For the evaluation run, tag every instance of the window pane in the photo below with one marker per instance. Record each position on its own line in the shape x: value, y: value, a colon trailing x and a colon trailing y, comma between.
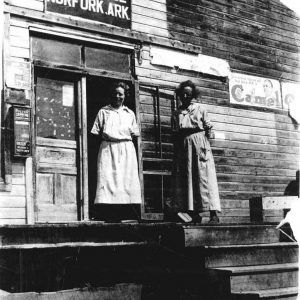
x: 55, y: 109
x: 56, y: 51
x: 107, y: 59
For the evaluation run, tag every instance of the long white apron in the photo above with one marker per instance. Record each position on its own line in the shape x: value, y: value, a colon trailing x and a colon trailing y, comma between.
x: 117, y: 175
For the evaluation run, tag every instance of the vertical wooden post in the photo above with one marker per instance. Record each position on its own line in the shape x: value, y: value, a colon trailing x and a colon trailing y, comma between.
x: 29, y: 191
x: 5, y: 172
x: 1, y: 74
x: 84, y: 154
x: 139, y: 144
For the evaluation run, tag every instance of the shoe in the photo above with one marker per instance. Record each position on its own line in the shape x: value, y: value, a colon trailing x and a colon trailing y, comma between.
x: 184, y: 217
x: 214, y: 220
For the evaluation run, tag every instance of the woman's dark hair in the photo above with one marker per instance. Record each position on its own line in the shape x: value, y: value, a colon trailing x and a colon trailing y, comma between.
x: 184, y: 84
x: 122, y: 85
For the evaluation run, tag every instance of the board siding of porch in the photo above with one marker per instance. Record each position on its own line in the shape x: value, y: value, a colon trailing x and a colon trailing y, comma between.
x: 13, y: 202
x: 13, y: 199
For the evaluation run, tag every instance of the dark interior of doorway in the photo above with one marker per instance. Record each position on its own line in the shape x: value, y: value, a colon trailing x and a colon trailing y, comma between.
x: 98, y: 95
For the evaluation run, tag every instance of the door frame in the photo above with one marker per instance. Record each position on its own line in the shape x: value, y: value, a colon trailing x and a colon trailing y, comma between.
x: 135, y: 84
x: 82, y: 73
x: 81, y: 78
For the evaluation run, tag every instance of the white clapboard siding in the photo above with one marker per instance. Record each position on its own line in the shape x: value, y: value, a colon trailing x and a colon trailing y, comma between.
x: 19, y: 52
x: 19, y: 39
x: 150, y: 17
x: 11, y: 201
x: 17, y: 190
x: 149, y: 11
x: 30, y: 4
x: 146, y: 4
x: 18, y: 22
x: 12, y: 221
x: 12, y: 213
x: 18, y: 179
x: 18, y: 168
x: 19, y: 42
x: 19, y: 31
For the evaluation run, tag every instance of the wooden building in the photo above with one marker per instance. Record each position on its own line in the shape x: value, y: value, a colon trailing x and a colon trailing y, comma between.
x: 69, y: 50
x: 59, y: 58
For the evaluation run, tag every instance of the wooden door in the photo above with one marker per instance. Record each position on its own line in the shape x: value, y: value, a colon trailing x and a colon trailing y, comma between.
x: 56, y: 151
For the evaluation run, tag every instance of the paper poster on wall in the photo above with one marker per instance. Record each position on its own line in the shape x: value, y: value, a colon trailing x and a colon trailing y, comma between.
x: 67, y: 95
x: 185, y: 61
x: 18, y: 75
x: 255, y: 91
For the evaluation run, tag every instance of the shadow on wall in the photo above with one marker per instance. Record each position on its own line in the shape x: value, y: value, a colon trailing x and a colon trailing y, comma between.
x: 293, y: 187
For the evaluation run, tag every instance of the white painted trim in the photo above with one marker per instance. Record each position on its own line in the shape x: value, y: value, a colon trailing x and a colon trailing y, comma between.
x: 1, y: 44
x: 29, y: 191
x: 79, y: 36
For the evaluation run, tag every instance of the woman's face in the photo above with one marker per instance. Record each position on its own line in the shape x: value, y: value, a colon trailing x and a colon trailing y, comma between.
x: 118, y: 97
x: 187, y: 95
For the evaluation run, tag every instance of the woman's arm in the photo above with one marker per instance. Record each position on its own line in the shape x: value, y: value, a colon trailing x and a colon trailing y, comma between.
x: 207, y: 125
x: 134, y: 130
x: 98, y: 124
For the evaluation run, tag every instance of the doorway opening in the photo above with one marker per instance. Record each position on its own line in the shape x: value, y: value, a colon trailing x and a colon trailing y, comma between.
x: 99, y: 90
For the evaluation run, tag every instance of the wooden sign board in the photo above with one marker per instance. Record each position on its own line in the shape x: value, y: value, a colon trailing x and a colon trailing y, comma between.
x: 255, y: 91
x: 19, y: 97
x: 22, y: 132
x: 113, y: 12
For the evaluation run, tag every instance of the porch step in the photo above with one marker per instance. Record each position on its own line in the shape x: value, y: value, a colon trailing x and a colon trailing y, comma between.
x: 70, y: 234
x: 72, y: 245
x: 263, y: 277
x: 290, y: 293
x: 249, y: 255
x: 197, y: 236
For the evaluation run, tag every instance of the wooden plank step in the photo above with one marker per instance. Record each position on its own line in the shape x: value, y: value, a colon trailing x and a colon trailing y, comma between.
x: 88, y: 232
x: 280, y: 293
x: 198, y: 236
x: 241, y: 270
x: 263, y: 277
x: 72, y: 245
x: 255, y: 254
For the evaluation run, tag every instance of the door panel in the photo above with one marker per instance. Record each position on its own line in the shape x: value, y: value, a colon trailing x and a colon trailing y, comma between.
x: 45, y: 188
x: 56, y: 150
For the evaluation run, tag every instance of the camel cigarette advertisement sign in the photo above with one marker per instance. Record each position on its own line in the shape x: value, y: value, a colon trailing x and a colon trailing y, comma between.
x: 114, y: 12
x: 255, y: 91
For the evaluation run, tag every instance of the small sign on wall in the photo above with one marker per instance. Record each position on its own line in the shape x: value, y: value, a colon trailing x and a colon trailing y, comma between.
x: 22, y: 132
x: 114, y: 12
x: 255, y: 91
x: 18, y: 75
